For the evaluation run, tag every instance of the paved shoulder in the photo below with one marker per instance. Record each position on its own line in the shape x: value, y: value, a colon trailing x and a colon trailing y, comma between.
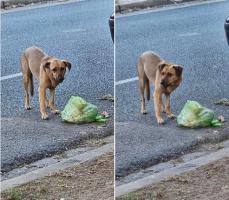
x: 24, y: 141
x: 141, y: 145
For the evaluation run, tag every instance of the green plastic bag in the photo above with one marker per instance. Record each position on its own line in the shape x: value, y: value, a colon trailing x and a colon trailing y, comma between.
x: 194, y: 115
x: 78, y: 111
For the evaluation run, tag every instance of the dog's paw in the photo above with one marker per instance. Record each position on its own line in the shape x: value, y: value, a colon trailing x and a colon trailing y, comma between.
x: 143, y: 112
x: 44, y: 116
x: 28, y: 107
x: 160, y: 121
x: 55, y: 112
x: 171, y: 116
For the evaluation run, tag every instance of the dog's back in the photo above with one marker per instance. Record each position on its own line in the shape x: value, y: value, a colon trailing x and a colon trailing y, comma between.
x: 30, y: 66
x: 147, y: 67
x: 149, y: 63
x: 34, y: 56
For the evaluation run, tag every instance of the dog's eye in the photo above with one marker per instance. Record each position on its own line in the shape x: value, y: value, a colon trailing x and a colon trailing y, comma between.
x: 62, y: 68
x: 54, y: 70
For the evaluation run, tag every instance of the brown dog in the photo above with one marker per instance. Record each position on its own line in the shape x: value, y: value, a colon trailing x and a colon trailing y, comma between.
x: 165, y: 76
x: 49, y: 71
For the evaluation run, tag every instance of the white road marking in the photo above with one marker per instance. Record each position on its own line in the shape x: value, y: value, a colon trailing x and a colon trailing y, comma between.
x: 116, y: 83
x: 189, y: 34
x: 126, y: 81
x: 75, y: 30
x: 10, y: 76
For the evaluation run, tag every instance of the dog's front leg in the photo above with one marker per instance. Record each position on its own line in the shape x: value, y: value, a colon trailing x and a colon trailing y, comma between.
x: 157, y: 106
x: 52, y: 102
x: 42, y: 100
x: 167, y: 106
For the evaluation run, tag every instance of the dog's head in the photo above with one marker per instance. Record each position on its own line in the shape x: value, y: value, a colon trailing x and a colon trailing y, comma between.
x: 170, y: 75
x: 56, y: 69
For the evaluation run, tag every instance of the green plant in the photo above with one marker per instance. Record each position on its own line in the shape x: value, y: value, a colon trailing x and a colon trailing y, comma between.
x: 14, y: 195
x: 131, y: 196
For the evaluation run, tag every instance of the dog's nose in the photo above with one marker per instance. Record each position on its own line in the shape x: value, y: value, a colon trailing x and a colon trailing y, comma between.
x: 61, y: 79
x: 164, y: 84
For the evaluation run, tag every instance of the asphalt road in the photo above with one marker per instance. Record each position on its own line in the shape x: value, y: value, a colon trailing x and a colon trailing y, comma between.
x: 77, y: 32
x: 192, y: 36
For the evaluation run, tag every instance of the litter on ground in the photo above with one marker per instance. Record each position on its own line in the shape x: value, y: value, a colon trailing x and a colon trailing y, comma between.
x: 78, y: 111
x: 194, y: 115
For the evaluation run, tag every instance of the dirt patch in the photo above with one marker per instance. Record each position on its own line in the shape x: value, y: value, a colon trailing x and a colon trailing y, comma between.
x: 208, y: 182
x: 91, y: 180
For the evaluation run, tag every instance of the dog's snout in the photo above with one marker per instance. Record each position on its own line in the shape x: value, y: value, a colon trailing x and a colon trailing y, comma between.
x: 164, y: 83
x: 60, y: 79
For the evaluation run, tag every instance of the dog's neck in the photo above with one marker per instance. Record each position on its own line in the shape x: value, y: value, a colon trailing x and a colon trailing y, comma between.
x: 53, y: 82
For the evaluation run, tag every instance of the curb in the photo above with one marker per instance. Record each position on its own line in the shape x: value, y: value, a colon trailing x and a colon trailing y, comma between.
x: 71, y: 162
x: 120, y: 8
x: 185, y: 167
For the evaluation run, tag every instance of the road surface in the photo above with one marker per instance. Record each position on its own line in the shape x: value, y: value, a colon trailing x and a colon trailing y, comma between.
x: 192, y: 36
x: 77, y: 32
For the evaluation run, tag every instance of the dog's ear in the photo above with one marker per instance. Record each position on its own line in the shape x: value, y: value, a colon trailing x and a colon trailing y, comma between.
x: 46, y: 65
x: 67, y: 64
x: 161, y: 66
x: 178, y: 70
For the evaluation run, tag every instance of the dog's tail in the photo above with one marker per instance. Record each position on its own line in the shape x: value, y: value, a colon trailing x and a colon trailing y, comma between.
x: 25, y: 69
x: 147, y: 88
x: 31, y: 86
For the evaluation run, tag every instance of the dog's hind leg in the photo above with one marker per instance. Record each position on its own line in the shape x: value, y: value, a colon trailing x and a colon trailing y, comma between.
x: 142, y: 85
x: 142, y: 89
x: 26, y: 86
x: 27, y: 81
x: 46, y: 102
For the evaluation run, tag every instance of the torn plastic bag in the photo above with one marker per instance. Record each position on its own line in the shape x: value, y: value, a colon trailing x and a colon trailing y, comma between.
x: 194, y: 115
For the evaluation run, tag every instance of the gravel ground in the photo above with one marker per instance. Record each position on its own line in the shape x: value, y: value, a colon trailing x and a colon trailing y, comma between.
x: 91, y: 180
x: 208, y: 182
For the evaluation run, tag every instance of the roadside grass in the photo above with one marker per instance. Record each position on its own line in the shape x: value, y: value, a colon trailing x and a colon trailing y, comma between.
x: 130, y: 196
x: 94, y: 178
x: 17, y: 193
x: 14, y: 194
x: 213, y: 179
